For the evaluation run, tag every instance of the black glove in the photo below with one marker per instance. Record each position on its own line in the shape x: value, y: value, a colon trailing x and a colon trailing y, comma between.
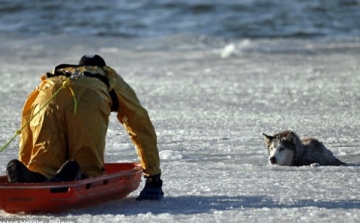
x: 152, y: 189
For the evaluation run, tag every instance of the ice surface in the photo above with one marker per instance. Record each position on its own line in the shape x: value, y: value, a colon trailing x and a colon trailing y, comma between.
x: 209, y: 113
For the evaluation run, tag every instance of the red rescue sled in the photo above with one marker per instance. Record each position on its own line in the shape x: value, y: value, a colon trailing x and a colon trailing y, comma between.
x: 119, y: 181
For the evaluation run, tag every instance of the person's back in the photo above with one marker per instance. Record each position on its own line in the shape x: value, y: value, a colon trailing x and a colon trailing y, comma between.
x: 72, y: 125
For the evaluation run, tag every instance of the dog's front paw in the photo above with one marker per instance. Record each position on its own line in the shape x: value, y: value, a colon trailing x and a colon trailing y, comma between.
x: 314, y: 165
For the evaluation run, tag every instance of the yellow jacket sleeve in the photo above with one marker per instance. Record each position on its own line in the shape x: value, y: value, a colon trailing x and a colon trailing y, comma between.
x: 136, y: 121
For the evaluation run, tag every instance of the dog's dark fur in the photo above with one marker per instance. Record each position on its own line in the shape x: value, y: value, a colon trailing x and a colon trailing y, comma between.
x: 287, y: 149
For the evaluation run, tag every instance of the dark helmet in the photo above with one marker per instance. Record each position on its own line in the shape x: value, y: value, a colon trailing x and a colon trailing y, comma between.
x: 92, y: 60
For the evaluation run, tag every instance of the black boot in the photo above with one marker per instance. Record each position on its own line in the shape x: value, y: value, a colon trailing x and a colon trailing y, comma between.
x: 69, y: 171
x: 17, y: 172
x: 152, y: 189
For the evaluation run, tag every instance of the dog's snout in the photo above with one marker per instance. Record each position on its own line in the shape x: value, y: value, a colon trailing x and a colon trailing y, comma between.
x: 272, y: 159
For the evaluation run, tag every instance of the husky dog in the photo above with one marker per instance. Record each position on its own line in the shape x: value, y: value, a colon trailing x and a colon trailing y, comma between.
x: 287, y: 149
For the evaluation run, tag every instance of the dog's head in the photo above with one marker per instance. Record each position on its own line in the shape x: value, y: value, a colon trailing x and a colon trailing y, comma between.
x: 281, y: 148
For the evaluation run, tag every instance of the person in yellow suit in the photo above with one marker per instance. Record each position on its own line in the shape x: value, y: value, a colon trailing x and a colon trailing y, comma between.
x: 64, y: 139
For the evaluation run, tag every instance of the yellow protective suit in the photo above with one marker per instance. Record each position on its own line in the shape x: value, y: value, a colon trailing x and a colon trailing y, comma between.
x: 74, y: 123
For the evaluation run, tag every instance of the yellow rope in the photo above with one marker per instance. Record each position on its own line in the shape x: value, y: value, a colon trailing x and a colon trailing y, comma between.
x: 18, y: 132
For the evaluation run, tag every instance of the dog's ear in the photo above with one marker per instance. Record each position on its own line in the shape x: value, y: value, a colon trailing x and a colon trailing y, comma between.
x: 292, y: 137
x: 268, y: 139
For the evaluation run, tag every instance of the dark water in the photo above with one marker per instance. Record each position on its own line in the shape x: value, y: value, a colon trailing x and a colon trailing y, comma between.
x: 154, y: 18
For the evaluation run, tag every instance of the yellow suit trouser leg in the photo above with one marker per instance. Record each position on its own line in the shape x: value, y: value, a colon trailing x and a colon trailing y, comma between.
x: 59, y: 133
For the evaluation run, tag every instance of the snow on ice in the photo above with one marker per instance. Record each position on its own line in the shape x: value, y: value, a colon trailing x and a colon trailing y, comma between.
x: 209, y: 112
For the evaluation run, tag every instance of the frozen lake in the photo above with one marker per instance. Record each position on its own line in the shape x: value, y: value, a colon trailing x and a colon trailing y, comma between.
x: 210, y: 107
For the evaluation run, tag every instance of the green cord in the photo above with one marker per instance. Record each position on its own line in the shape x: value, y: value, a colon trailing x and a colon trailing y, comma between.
x: 75, y: 101
x: 18, y: 132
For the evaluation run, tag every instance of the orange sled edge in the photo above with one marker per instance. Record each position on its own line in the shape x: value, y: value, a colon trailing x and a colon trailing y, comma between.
x: 119, y: 181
